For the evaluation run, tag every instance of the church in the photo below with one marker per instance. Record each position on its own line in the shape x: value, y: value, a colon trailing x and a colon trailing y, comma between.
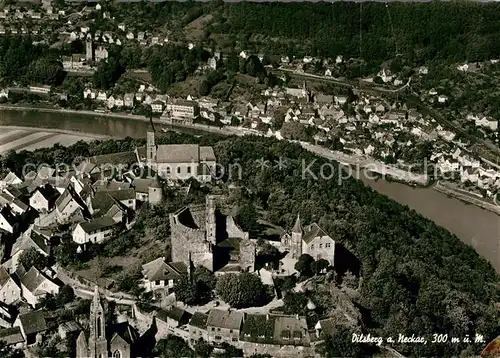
x: 177, y: 161
x: 311, y: 240
x: 102, y: 341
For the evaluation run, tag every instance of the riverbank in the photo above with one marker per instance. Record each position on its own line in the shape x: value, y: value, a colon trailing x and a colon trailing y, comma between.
x: 467, y: 197
x: 159, y: 121
x: 357, y: 163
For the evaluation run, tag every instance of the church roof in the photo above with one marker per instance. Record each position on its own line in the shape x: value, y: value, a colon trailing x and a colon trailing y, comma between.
x: 124, y: 331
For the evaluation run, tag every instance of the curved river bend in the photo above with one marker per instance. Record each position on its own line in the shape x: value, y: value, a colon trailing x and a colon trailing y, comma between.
x: 475, y: 226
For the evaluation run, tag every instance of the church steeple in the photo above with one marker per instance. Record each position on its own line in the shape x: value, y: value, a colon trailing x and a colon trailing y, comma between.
x: 296, y: 242
x: 297, y: 228
x: 98, y: 344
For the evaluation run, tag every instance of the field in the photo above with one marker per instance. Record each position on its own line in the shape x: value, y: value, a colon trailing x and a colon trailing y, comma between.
x: 18, y: 139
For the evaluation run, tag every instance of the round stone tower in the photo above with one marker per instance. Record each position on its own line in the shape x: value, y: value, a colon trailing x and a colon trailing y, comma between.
x: 155, y: 192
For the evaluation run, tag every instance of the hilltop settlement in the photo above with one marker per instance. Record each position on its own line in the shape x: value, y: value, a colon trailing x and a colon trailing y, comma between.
x: 147, y: 248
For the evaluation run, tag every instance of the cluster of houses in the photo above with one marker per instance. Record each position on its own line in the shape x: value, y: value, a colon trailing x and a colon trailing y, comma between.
x: 176, y: 108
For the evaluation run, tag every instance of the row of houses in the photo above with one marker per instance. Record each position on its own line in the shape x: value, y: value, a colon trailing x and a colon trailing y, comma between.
x: 251, y: 332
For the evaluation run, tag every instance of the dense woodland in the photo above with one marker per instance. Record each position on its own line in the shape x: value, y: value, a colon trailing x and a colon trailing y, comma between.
x: 417, y: 277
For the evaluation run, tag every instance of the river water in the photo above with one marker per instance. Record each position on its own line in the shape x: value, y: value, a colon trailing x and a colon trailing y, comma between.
x: 475, y: 226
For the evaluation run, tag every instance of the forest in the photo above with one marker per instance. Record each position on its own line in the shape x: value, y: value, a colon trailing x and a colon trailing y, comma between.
x: 420, y: 32
x: 418, y: 278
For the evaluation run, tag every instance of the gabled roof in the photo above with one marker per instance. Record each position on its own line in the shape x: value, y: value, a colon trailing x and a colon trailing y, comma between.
x: 4, y: 276
x: 313, y: 231
x: 11, y: 335
x: 6, y: 212
x: 122, y: 330
x: 199, y: 320
x: 31, y: 240
x: 225, y: 319
x: 33, y: 322
x: 33, y: 279
x: 160, y: 270
x: 175, y: 313
x: 48, y: 192
x: 97, y: 224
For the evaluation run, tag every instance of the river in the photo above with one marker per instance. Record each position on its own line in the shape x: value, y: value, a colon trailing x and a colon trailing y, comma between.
x: 475, y: 226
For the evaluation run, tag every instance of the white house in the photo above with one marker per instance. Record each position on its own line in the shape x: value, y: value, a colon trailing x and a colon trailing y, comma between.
x: 159, y: 274
x: 442, y: 99
x: 95, y: 231
x: 35, y: 285
x: 10, y: 291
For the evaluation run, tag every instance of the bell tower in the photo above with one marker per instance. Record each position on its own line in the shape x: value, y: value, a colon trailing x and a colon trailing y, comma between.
x: 98, y: 344
x: 151, y: 148
x: 297, y: 233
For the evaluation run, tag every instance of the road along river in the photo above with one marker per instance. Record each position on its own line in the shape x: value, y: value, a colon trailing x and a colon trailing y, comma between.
x: 474, y: 226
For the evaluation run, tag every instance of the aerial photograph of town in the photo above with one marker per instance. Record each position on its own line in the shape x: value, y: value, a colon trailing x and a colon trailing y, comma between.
x: 198, y: 179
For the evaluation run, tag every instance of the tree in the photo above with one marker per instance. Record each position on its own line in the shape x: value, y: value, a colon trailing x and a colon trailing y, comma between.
x: 33, y: 257
x: 186, y: 291
x: 318, y: 266
x: 240, y: 291
x: 340, y: 344
x: 254, y: 67
x: 107, y: 73
x: 303, y: 264
x: 202, y: 349
x: 46, y: 71
x: 173, y: 347
x: 247, y: 217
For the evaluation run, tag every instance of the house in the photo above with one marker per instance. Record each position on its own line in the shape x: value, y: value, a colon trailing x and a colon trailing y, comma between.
x: 41, y: 89
x: 95, y: 231
x: 167, y: 320
x: 67, y: 203
x: 128, y: 100
x: 212, y: 63
x: 157, y: 106
x: 423, y: 70
x: 31, y: 239
x: 224, y: 326
x: 328, y: 72
x: 340, y: 100
x: 198, y: 327
x: 130, y: 35
x: 10, y: 179
x: 119, y: 102
x: 12, y: 337
x: 244, y: 54
x: 100, y: 53
x: 8, y: 221
x: 67, y: 328
x: 159, y: 274
x: 110, y: 101
x: 10, y: 292
x: 89, y: 93
x: 35, y: 285
x: 178, y: 108
x: 442, y: 99
x: 44, y: 198
x: 32, y: 326
x: 101, y: 96
x: 311, y: 240
x: 101, y: 201
x: 4, y: 93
